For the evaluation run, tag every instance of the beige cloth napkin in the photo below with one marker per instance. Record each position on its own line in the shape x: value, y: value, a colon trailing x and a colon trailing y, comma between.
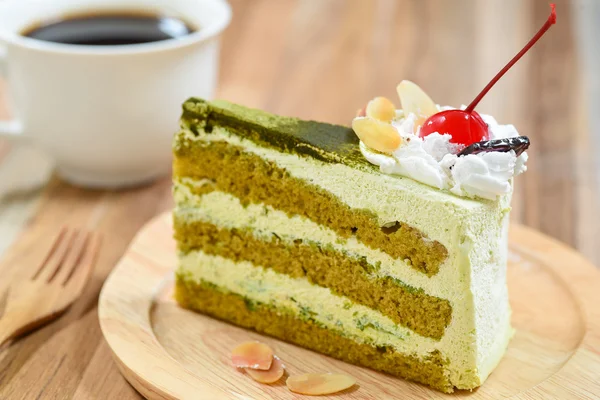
x: 24, y: 170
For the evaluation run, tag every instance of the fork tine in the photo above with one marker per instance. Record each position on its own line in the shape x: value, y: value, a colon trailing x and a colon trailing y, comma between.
x: 73, y: 258
x: 55, y: 256
x: 81, y: 272
x: 52, y: 250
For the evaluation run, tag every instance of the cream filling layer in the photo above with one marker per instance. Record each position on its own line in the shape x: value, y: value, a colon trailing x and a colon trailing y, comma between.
x: 302, y: 298
x: 225, y: 210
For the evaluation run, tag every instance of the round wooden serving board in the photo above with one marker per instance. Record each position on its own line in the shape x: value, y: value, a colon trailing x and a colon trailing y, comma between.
x: 166, y: 352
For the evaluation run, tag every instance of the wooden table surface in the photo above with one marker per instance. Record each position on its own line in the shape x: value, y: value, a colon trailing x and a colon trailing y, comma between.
x: 323, y: 59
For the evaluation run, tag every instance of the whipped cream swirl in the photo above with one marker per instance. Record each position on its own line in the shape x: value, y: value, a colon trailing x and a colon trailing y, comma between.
x: 433, y: 160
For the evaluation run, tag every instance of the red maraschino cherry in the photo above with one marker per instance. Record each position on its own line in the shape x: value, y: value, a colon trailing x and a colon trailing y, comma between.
x: 466, y: 126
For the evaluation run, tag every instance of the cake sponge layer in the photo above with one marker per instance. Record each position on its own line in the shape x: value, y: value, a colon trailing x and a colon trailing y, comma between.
x: 319, y: 140
x: 210, y: 299
x: 255, y: 180
x: 344, y: 274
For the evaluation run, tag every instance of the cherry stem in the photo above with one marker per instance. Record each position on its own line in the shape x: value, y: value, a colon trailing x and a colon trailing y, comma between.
x: 551, y: 21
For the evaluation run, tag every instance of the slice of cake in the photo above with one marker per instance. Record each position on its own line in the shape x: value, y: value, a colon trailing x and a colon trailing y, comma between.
x: 384, y: 245
x: 287, y: 227
x: 386, y: 250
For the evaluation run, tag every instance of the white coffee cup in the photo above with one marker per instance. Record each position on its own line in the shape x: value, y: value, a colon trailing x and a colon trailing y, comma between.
x: 106, y: 114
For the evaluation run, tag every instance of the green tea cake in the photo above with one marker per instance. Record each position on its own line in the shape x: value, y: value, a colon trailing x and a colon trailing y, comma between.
x: 298, y: 230
x: 384, y: 245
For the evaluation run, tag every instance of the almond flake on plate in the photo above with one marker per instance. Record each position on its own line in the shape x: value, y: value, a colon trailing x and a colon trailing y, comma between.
x: 253, y: 355
x: 271, y: 375
x: 319, y: 384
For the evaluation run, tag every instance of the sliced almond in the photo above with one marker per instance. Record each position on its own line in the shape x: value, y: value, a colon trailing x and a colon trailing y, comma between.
x: 376, y: 134
x: 414, y: 100
x: 381, y: 108
x: 318, y: 384
x: 271, y: 375
x: 254, y: 355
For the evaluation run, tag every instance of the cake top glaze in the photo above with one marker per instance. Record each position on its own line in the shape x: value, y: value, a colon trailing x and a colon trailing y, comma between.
x: 320, y: 140
x: 339, y: 144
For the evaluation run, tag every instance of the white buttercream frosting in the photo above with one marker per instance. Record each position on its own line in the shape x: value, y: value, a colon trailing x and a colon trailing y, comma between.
x: 432, y: 160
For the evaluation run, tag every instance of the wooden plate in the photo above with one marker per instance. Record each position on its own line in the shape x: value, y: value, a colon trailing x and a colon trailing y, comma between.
x: 169, y: 353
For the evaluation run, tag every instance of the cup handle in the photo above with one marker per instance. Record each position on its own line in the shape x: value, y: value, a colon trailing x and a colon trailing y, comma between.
x: 11, y: 129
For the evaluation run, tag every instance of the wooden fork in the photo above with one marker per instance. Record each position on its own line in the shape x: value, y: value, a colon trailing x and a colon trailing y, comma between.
x: 52, y: 287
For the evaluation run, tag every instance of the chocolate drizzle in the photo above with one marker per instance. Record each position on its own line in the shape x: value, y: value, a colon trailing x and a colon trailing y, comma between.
x: 519, y: 144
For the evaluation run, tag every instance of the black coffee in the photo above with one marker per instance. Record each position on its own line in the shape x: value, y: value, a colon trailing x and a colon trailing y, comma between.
x: 110, y: 29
